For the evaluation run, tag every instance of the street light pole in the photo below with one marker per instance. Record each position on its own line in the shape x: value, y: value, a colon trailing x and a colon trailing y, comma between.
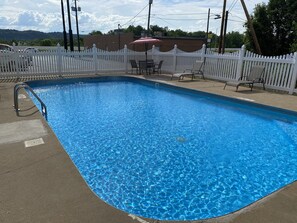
x: 70, y: 30
x: 64, y: 28
x: 207, y: 28
x: 77, y: 30
x: 119, y: 26
x: 149, y: 17
x: 222, y: 27
x: 225, y: 32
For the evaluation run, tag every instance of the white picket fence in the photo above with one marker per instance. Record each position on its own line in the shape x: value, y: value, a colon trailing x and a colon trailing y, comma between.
x: 280, y: 71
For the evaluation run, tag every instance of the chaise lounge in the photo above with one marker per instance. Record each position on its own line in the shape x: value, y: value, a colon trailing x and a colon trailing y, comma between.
x: 196, y: 70
x: 255, y: 76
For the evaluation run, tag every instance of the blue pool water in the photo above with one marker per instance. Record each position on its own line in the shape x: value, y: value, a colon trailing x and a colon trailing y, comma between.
x: 170, y: 154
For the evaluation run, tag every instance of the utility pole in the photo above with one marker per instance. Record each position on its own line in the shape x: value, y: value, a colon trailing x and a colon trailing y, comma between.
x: 222, y: 27
x: 207, y: 29
x: 225, y: 32
x: 250, y: 23
x: 149, y: 17
x: 64, y: 28
x: 75, y: 8
x: 119, y: 33
x: 70, y: 30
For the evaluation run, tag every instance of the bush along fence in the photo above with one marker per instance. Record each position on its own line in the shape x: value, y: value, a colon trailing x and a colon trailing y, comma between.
x: 280, y: 71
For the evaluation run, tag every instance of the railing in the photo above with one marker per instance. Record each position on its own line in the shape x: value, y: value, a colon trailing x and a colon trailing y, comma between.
x: 280, y: 72
x: 17, y: 87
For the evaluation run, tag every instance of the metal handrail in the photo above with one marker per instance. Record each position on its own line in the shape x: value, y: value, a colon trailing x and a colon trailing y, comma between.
x: 17, y: 87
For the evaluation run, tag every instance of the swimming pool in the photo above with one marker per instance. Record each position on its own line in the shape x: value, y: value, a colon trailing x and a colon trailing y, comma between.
x: 167, y: 153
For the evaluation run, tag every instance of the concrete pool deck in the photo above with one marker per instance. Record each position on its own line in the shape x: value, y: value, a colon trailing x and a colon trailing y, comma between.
x: 39, y: 182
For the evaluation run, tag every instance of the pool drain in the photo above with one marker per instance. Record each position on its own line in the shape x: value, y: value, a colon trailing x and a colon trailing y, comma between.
x: 180, y: 139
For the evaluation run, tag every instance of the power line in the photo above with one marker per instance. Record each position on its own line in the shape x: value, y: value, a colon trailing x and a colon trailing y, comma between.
x: 135, y: 16
x: 169, y: 14
x: 194, y: 16
x: 187, y: 14
x: 184, y: 19
x: 238, y: 17
x: 232, y: 5
x: 166, y: 21
x: 235, y: 20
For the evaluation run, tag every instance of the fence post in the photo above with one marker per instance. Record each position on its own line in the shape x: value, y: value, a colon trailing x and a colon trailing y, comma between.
x: 203, y: 52
x: 174, y: 58
x: 294, y: 75
x: 94, y: 51
x: 16, y: 60
x: 14, y: 46
x: 153, y: 52
x: 240, y: 62
x: 126, y: 58
x: 59, y: 59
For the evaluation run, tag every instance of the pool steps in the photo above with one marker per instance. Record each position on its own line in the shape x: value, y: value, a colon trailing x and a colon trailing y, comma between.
x: 19, y: 86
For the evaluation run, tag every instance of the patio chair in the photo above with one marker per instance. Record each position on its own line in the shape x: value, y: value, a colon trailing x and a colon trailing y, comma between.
x: 196, y: 70
x: 158, y: 67
x: 255, y: 76
x: 134, y: 66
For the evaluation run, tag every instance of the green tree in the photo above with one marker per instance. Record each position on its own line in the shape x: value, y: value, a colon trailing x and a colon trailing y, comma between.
x: 136, y: 30
x: 234, y: 40
x: 264, y: 30
x: 280, y: 14
x: 177, y: 33
x: 46, y: 42
x: 200, y: 34
x: 95, y: 33
x: 275, y: 26
x: 156, y: 30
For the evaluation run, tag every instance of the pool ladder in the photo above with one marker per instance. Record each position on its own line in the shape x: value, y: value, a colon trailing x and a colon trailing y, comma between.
x: 19, y: 86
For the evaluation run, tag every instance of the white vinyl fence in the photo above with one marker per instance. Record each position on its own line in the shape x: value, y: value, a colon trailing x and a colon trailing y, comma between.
x: 280, y: 71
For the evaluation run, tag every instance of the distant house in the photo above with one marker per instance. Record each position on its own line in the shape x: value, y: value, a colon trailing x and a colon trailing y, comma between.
x: 118, y: 41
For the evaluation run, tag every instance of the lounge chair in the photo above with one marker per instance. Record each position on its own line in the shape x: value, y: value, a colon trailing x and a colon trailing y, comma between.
x: 255, y: 76
x: 158, y: 67
x: 134, y: 66
x: 196, y: 70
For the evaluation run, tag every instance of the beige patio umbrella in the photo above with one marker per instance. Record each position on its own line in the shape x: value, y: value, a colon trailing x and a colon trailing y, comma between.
x: 146, y: 41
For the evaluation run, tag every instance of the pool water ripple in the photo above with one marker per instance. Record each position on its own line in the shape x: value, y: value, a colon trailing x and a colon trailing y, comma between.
x: 171, y: 156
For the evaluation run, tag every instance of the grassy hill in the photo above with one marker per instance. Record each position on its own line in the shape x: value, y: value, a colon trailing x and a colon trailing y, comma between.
x: 15, y: 35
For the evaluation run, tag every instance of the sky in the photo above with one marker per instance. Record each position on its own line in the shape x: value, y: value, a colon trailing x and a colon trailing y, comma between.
x: 106, y: 15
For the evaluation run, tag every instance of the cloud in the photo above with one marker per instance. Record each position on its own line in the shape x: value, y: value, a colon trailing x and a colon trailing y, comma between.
x: 188, y: 15
x: 4, y: 21
x: 36, y: 21
x: 28, y: 19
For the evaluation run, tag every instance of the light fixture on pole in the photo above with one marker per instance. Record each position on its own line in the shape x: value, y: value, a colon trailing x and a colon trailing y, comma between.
x: 217, y: 16
x: 76, y: 9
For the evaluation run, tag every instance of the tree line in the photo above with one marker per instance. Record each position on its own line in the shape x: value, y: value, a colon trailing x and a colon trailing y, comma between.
x: 233, y: 39
x: 275, y: 24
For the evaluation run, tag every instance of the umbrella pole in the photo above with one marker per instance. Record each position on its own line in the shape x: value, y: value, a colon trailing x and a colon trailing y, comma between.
x: 146, y: 46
